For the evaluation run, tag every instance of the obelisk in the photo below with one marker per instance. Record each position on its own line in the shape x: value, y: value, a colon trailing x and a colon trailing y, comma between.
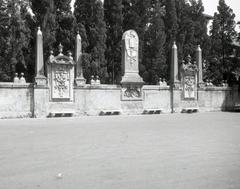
x: 79, y: 80
x: 200, y: 67
x: 174, y: 66
x: 40, y: 79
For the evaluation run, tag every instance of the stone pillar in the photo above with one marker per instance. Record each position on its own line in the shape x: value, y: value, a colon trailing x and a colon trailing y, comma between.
x: 79, y: 80
x: 174, y: 67
x: 40, y: 88
x: 200, y: 67
x: 40, y: 79
x: 130, y: 61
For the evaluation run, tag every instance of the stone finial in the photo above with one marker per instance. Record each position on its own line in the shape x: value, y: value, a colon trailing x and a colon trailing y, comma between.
x: 92, y: 82
x: 22, y: 79
x: 51, y: 57
x: 39, y: 32
x: 98, y: 82
x: 70, y: 55
x: 16, y: 79
x: 188, y: 59
x: 174, y: 45
x: 60, y: 48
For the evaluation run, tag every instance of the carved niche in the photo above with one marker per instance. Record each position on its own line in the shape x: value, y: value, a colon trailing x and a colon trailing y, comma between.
x: 61, y: 77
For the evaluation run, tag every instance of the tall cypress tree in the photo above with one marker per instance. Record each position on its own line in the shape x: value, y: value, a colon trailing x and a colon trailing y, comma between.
x: 154, y: 59
x: 66, y: 25
x: 16, y: 39
x: 114, y: 21
x: 222, y: 35
x: 4, y: 18
x: 90, y: 14
x: 45, y: 13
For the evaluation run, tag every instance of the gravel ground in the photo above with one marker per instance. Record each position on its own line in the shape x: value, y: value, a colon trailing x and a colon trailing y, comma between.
x: 173, y: 151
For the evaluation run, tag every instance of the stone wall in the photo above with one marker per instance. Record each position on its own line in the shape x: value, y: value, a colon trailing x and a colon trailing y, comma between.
x: 16, y: 100
x: 24, y: 100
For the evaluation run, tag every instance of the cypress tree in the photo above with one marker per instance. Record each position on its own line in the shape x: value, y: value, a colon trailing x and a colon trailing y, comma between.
x: 154, y: 46
x: 90, y: 14
x: 114, y: 21
x: 45, y: 13
x: 16, y: 39
x: 66, y: 25
x: 222, y: 35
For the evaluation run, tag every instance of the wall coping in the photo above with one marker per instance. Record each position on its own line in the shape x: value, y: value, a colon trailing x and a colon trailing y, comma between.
x: 12, y: 85
x: 155, y: 87
x: 109, y: 87
x: 118, y: 87
x: 215, y: 88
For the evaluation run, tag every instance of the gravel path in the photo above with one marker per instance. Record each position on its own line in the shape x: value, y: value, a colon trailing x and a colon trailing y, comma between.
x: 172, y: 151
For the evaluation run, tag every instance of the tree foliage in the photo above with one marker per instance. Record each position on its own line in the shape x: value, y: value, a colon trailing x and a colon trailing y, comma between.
x: 114, y: 21
x: 157, y: 22
x: 222, y: 35
x: 90, y: 16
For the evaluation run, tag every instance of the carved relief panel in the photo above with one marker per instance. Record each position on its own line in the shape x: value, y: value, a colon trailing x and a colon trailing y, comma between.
x: 132, y: 93
x: 189, y: 86
x: 189, y: 79
x: 61, y: 77
x: 61, y: 82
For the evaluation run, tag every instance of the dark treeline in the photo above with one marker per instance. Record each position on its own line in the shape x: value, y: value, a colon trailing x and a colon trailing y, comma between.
x: 157, y: 22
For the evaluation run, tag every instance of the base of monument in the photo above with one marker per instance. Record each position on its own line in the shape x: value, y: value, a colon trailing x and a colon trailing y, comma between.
x: 176, y: 85
x: 132, y: 78
x: 80, y: 81
x: 189, y: 106
x: 201, y: 85
x: 41, y: 80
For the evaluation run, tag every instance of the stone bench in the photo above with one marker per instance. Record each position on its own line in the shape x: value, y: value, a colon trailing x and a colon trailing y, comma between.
x: 152, y: 111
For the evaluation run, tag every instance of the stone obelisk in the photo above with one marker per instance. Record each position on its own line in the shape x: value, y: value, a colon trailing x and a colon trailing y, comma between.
x: 79, y: 80
x: 40, y: 79
x: 200, y: 67
x: 174, y: 66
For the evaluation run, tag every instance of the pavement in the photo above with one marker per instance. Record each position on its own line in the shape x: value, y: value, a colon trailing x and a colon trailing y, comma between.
x: 167, y: 151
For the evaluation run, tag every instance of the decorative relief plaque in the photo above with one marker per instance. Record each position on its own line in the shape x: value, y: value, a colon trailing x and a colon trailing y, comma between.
x: 189, y: 87
x: 132, y: 93
x: 61, y: 84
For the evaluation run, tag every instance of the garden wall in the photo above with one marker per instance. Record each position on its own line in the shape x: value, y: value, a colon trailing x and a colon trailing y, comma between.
x: 25, y: 100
